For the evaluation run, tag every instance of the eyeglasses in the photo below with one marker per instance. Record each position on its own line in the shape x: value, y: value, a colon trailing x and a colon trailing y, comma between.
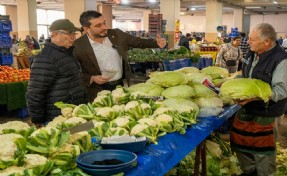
x: 67, y: 33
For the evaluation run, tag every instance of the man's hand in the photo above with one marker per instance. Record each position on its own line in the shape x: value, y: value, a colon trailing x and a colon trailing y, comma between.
x: 161, y: 42
x: 99, y: 79
x: 244, y: 102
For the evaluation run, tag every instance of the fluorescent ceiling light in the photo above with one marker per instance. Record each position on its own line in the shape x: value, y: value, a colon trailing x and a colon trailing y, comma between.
x: 125, y: 1
x: 182, y: 13
x: 250, y: 7
x: 275, y: 2
x: 152, y: 1
x: 193, y: 8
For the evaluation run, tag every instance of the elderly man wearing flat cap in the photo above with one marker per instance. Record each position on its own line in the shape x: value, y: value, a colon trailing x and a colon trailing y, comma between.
x: 55, y: 75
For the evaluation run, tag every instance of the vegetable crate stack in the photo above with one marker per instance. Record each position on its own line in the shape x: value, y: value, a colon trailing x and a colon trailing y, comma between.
x: 6, y: 57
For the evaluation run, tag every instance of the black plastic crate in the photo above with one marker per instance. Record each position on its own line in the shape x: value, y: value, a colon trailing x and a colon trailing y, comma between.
x: 5, y: 17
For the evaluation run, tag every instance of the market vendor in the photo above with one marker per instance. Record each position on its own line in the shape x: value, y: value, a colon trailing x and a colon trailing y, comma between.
x: 252, y: 136
x: 55, y: 75
x: 102, y: 52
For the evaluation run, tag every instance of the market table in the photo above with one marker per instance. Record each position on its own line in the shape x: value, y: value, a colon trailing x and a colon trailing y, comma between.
x: 212, y: 53
x: 13, y: 95
x: 159, y: 159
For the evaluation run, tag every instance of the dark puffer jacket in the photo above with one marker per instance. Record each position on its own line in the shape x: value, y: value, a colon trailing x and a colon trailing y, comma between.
x: 55, y: 76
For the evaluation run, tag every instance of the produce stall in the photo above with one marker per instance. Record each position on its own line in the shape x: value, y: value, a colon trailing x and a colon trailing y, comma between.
x: 173, y: 147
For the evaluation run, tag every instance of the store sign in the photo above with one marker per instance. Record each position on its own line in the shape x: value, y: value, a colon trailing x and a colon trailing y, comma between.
x: 176, y: 31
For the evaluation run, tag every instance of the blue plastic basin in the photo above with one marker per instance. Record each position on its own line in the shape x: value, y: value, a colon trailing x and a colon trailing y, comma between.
x: 86, y: 159
x: 106, y: 172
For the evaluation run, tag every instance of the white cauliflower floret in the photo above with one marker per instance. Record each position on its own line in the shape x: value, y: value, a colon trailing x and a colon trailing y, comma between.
x: 138, y: 128
x: 137, y: 94
x: 99, y: 98
x: 56, y: 121
x: 161, y: 110
x: 105, y: 111
x: 164, y: 118
x: 75, y: 110
x: 67, y: 111
x: 119, y: 108
x: 122, y: 121
x: 103, y: 92
x: 33, y: 160
x: 76, y: 136
x: 131, y: 105
x: 12, y: 170
x: 118, y: 93
x: 149, y: 121
x: 98, y: 123
x: 75, y: 120
x: 7, y: 146
x: 16, y: 125
x: 145, y: 106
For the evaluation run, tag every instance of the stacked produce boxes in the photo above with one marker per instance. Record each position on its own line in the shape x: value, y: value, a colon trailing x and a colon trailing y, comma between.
x: 6, y: 57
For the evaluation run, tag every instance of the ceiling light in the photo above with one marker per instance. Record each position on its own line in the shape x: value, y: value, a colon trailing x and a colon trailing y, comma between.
x: 275, y: 2
x: 152, y: 1
x: 182, y: 13
x: 193, y: 8
x: 125, y: 1
x: 251, y: 7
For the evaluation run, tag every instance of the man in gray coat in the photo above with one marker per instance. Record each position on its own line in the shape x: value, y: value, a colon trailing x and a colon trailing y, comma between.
x: 102, y: 53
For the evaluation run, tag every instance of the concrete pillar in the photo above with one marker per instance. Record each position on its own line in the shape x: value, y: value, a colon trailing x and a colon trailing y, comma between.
x: 213, y: 19
x: 170, y: 10
x: 145, y: 19
x: 12, y: 12
x: 27, y: 18
x: 238, y: 19
x: 73, y: 10
x: 107, y: 12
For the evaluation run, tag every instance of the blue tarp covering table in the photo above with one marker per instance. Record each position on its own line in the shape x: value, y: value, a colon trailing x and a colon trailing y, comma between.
x: 159, y: 159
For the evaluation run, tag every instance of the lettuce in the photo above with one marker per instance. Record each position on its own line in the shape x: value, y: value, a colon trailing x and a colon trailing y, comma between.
x: 146, y: 89
x: 246, y: 88
x: 168, y: 78
x: 181, y: 91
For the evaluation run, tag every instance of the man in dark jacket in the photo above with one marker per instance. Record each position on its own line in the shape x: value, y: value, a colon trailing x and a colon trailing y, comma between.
x: 184, y: 40
x: 102, y: 53
x: 55, y: 75
x: 252, y: 135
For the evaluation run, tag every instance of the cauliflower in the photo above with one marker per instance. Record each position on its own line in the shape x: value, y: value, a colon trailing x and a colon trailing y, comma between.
x: 16, y: 125
x: 103, y: 92
x: 164, y: 118
x: 12, y: 170
x: 138, y: 128
x: 120, y: 95
x: 98, y: 123
x: 99, y: 98
x: 119, y: 108
x: 131, y: 105
x: 116, y: 131
x: 122, y: 121
x: 67, y: 111
x: 145, y: 106
x: 56, y: 121
x: 75, y: 120
x: 8, y: 147
x: 106, y: 114
x: 161, y: 110
x: 33, y: 160
x: 148, y: 121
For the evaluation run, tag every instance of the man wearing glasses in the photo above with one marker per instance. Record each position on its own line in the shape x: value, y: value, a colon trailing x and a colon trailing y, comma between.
x: 102, y: 53
x: 55, y: 75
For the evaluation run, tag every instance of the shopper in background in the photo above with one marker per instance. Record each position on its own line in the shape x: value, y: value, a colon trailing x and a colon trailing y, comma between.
x: 284, y: 44
x: 55, y: 75
x: 103, y: 51
x: 280, y: 40
x: 252, y: 136
x: 244, y: 47
x: 29, y: 42
x: 184, y: 41
x: 229, y: 55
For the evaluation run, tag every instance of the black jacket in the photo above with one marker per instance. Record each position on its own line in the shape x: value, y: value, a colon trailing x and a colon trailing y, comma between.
x: 263, y: 70
x: 183, y: 41
x: 55, y: 76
